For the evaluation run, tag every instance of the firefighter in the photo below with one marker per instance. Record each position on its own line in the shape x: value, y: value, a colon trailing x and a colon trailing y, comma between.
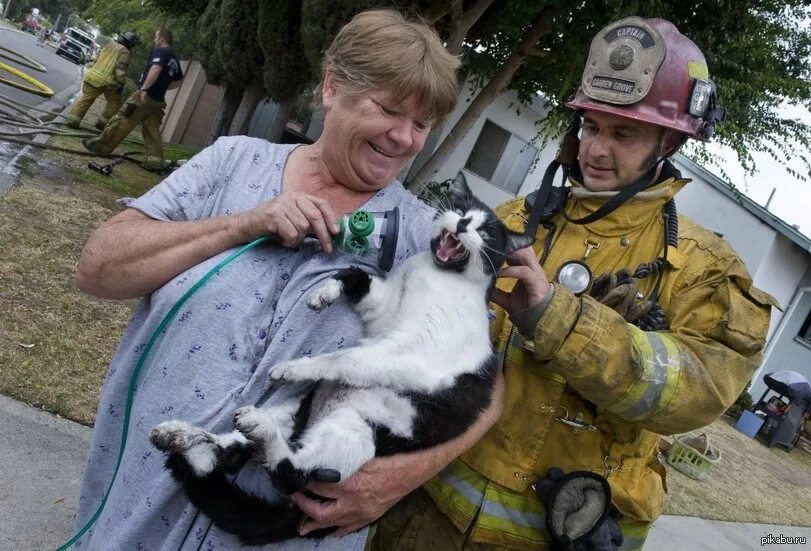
x: 107, y: 76
x: 662, y: 341
x: 161, y: 73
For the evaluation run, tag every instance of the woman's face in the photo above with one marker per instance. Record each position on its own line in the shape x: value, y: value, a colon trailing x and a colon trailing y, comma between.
x: 369, y: 138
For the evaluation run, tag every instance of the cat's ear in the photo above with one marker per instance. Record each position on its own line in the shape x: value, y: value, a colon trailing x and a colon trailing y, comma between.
x: 517, y: 241
x: 459, y: 187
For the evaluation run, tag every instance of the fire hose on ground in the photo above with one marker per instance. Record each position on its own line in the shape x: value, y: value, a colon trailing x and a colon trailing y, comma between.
x: 36, y: 87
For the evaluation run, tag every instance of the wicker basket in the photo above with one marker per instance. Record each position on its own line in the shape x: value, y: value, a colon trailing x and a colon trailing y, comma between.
x: 693, y: 455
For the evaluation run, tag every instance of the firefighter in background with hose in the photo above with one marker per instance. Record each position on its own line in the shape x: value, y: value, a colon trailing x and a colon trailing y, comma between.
x: 107, y: 76
x: 161, y: 73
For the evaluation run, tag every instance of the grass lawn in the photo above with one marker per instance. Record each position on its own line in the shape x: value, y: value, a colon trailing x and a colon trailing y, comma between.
x: 751, y: 483
x: 56, y: 341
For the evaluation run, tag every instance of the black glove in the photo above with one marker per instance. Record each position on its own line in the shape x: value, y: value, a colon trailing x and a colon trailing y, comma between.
x: 579, y: 515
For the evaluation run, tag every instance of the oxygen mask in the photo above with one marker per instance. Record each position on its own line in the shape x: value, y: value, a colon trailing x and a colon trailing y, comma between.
x: 365, y: 234
x: 371, y: 235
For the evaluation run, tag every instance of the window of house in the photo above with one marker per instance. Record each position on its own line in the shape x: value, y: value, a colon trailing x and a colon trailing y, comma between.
x: 501, y: 158
x: 805, y: 330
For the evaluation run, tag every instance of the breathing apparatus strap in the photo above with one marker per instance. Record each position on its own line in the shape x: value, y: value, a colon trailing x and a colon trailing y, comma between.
x: 644, y: 181
x: 566, y: 157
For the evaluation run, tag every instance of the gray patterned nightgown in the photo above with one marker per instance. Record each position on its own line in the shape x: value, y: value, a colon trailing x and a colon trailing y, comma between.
x: 216, y: 355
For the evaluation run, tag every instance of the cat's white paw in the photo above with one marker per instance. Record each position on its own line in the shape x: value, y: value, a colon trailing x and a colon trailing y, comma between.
x: 293, y: 370
x: 177, y: 436
x: 254, y: 424
x: 325, y: 295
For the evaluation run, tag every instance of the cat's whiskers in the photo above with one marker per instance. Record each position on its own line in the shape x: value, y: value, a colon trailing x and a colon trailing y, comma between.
x: 486, y: 246
x: 495, y: 272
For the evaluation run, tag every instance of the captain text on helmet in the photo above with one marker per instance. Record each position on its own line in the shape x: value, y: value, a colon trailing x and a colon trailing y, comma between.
x: 622, y: 323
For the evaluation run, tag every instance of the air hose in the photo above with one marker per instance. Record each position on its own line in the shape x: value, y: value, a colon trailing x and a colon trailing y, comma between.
x: 167, y: 319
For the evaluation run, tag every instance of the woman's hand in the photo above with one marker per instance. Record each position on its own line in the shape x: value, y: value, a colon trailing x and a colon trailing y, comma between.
x: 363, y: 497
x: 532, y: 284
x: 291, y: 216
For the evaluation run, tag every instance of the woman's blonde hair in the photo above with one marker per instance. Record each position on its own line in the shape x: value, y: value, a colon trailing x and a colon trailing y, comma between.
x: 382, y: 50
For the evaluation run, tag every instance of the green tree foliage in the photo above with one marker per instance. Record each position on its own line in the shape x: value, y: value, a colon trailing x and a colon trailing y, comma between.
x: 48, y: 8
x: 322, y: 19
x: 229, y: 52
x: 116, y: 16
x: 286, y: 69
x: 238, y: 51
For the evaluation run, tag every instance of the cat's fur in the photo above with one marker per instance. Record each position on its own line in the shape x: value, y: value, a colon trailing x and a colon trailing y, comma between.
x: 421, y: 376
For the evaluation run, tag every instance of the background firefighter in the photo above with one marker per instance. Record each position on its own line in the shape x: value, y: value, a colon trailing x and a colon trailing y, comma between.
x: 161, y: 73
x: 591, y: 386
x: 107, y: 76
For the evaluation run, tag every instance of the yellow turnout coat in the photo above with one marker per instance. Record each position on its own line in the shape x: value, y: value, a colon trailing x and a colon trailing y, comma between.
x: 593, y: 392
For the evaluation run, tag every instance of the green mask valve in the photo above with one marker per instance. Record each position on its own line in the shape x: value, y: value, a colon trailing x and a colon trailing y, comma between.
x: 369, y: 234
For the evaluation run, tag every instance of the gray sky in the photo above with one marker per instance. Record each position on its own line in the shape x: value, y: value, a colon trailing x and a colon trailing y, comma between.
x: 792, y: 200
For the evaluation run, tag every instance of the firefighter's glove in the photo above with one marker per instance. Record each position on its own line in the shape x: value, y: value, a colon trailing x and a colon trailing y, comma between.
x: 578, y: 511
x: 619, y: 291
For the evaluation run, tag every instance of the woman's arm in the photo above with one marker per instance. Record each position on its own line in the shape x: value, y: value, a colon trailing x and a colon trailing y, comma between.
x: 382, y: 482
x: 132, y: 255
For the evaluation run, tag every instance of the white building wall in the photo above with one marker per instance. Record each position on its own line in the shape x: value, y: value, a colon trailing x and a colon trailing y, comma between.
x: 501, y: 112
x: 780, y: 275
x: 751, y: 238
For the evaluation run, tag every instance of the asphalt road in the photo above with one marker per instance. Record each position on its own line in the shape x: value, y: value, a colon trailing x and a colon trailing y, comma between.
x: 62, y: 76
x: 61, y: 72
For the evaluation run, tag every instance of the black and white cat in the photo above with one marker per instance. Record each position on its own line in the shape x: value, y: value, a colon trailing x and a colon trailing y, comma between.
x: 421, y: 376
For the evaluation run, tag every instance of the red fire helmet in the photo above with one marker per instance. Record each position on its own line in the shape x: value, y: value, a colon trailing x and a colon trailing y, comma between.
x: 646, y: 70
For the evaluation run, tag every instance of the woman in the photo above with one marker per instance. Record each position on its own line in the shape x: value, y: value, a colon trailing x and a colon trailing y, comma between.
x: 385, y: 82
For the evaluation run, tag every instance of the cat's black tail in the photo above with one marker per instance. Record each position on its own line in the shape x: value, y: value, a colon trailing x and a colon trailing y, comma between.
x: 254, y: 520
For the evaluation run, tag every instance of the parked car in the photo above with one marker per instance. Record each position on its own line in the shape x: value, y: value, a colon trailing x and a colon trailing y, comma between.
x: 76, y: 45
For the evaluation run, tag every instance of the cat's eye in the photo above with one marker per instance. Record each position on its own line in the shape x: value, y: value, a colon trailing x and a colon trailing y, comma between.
x: 459, y: 212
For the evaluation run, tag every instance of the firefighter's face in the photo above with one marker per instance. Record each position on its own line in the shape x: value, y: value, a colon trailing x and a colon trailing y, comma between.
x: 615, y: 151
x: 371, y: 137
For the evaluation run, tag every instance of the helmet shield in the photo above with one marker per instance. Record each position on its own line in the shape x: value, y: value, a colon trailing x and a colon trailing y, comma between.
x: 623, y: 61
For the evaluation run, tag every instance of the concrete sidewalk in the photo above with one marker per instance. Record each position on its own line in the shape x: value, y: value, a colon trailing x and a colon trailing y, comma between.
x: 42, y: 458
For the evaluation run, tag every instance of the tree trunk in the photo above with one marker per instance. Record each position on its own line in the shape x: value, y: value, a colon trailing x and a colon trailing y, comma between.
x: 462, y: 22
x: 250, y: 99
x: 225, y: 114
x: 497, y: 84
x: 283, y: 111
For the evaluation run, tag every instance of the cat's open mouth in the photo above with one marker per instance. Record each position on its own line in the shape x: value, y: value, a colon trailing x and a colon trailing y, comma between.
x: 450, y: 248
